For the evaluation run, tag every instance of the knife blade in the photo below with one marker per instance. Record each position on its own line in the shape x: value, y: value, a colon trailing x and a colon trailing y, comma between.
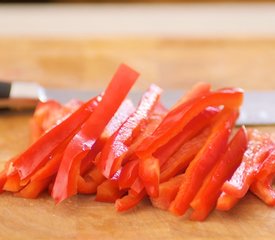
x: 257, y: 108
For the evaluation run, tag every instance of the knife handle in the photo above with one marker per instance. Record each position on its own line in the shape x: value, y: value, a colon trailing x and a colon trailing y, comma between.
x: 18, y: 95
x: 5, y: 88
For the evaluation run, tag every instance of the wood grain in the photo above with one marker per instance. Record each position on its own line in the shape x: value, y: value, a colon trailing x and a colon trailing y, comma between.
x: 89, y: 63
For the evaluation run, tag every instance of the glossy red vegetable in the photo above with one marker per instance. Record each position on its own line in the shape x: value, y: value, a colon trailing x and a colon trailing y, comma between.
x: 205, y: 200
x: 117, y: 145
x: 180, y: 116
x: 37, y: 154
x: 167, y: 192
x: 263, y: 185
x: 66, y: 180
x: 259, y: 147
x: 204, y: 161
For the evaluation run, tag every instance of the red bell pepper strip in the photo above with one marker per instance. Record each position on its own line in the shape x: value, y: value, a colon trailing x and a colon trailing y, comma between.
x: 179, y: 117
x: 146, y: 130
x: 263, y: 185
x: 149, y: 173
x: 198, y: 90
x: 180, y: 160
x: 108, y: 191
x: 129, y: 201
x: 12, y: 183
x: 34, y: 188
x: 66, y: 180
x: 204, y: 161
x: 116, y: 147
x: 167, y: 192
x: 259, y: 147
x: 86, y: 185
x: 37, y: 154
x: 128, y: 175
x: 163, y: 154
x: 205, y: 200
x: 124, y: 111
x: 226, y: 202
x: 192, y: 129
x: 129, y: 171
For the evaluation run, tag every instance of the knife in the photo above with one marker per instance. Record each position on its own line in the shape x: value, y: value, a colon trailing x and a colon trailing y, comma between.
x: 257, y: 109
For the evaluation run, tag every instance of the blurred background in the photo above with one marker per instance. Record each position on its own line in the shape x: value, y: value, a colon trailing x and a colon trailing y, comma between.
x: 172, y: 43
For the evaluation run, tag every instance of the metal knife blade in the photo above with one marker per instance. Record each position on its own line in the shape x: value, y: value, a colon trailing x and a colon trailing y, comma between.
x: 257, y: 109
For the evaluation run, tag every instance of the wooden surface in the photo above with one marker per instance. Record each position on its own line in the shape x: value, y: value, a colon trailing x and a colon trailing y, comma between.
x: 82, y: 63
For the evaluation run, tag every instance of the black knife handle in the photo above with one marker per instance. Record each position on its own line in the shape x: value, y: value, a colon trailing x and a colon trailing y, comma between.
x: 5, y: 88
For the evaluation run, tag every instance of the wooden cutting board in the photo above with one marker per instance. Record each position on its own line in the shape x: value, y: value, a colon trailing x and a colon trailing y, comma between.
x: 89, y: 63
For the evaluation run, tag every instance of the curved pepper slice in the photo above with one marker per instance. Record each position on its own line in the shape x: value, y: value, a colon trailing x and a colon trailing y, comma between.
x: 179, y: 117
x: 37, y: 154
x: 180, y: 160
x: 129, y: 201
x: 117, y: 146
x: 167, y: 192
x: 226, y: 202
x: 204, y: 161
x: 259, y: 147
x: 206, y: 198
x: 66, y: 180
x: 263, y: 185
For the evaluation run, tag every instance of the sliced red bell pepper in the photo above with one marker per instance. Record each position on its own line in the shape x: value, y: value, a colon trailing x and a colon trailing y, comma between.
x: 12, y: 183
x: 117, y: 146
x: 66, y: 180
x: 37, y: 154
x: 128, y: 175
x: 167, y: 192
x: 34, y: 188
x: 204, y: 161
x: 149, y: 173
x: 108, y: 191
x: 263, y: 185
x: 226, y: 202
x: 163, y: 153
x: 259, y: 147
x: 124, y: 111
x: 205, y: 200
x: 198, y: 90
x: 179, y: 117
x: 129, y: 201
x: 86, y: 185
x: 192, y: 129
x: 180, y: 160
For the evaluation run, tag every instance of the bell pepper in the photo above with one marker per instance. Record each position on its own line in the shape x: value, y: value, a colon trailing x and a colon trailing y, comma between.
x: 226, y: 202
x: 163, y: 154
x: 108, y: 191
x: 259, y: 147
x: 179, y: 117
x: 34, y: 188
x: 192, y: 129
x: 129, y: 201
x: 116, y: 147
x: 204, y: 161
x: 167, y: 192
x: 180, y: 160
x: 128, y: 175
x: 67, y: 176
x: 124, y: 111
x: 205, y: 200
x: 198, y: 90
x: 263, y: 184
x: 50, y: 113
x: 37, y: 154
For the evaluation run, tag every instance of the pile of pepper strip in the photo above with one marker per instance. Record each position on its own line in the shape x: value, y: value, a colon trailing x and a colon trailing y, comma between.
x: 181, y: 158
